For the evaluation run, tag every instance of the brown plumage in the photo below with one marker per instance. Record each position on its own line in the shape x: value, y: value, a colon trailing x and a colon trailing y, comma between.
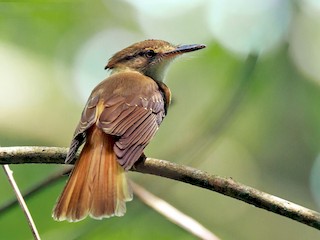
x: 120, y: 118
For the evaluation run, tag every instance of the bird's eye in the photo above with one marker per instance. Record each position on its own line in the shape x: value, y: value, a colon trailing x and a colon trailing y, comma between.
x: 150, y: 53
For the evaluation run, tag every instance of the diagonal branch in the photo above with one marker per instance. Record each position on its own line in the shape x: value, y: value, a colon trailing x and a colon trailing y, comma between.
x: 226, y: 186
x: 21, y: 201
x: 171, y: 213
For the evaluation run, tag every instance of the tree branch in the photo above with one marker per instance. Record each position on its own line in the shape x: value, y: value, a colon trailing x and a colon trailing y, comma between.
x: 21, y: 201
x: 173, y: 214
x: 226, y: 186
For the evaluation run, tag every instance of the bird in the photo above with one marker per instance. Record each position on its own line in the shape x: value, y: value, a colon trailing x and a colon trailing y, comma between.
x: 121, y: 116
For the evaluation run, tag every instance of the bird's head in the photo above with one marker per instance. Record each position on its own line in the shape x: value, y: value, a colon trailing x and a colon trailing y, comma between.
x: 149, y: 57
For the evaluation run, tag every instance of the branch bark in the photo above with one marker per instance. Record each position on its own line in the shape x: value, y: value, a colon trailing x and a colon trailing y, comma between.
x: 226, y: 186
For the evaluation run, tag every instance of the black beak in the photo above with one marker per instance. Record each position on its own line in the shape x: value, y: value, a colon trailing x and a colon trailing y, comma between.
x: 185, y: 48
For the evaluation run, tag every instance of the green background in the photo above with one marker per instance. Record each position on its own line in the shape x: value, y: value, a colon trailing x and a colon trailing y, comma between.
x: 262, y: 131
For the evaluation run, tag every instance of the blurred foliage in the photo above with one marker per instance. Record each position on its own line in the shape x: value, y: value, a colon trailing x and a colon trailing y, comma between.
x: 269, y: 139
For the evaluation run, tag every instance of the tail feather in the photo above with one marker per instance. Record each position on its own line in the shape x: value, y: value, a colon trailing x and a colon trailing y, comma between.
x: 97, y: 185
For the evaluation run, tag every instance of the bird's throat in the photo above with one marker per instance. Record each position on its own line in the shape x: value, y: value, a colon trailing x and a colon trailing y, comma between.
x: 158, y: 71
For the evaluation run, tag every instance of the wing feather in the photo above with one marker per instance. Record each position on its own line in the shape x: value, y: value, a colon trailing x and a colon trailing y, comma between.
x: 88, y: 118
x: 135, y: 122
x: 132, y: 115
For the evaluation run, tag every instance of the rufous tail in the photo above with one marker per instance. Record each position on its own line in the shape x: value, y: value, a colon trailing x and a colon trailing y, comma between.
x: 97, y: 185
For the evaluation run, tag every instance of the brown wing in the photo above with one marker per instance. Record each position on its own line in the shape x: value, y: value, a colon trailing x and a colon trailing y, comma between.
x: 134, y: 120
x: 88, y: 118
x: 133, y: 116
